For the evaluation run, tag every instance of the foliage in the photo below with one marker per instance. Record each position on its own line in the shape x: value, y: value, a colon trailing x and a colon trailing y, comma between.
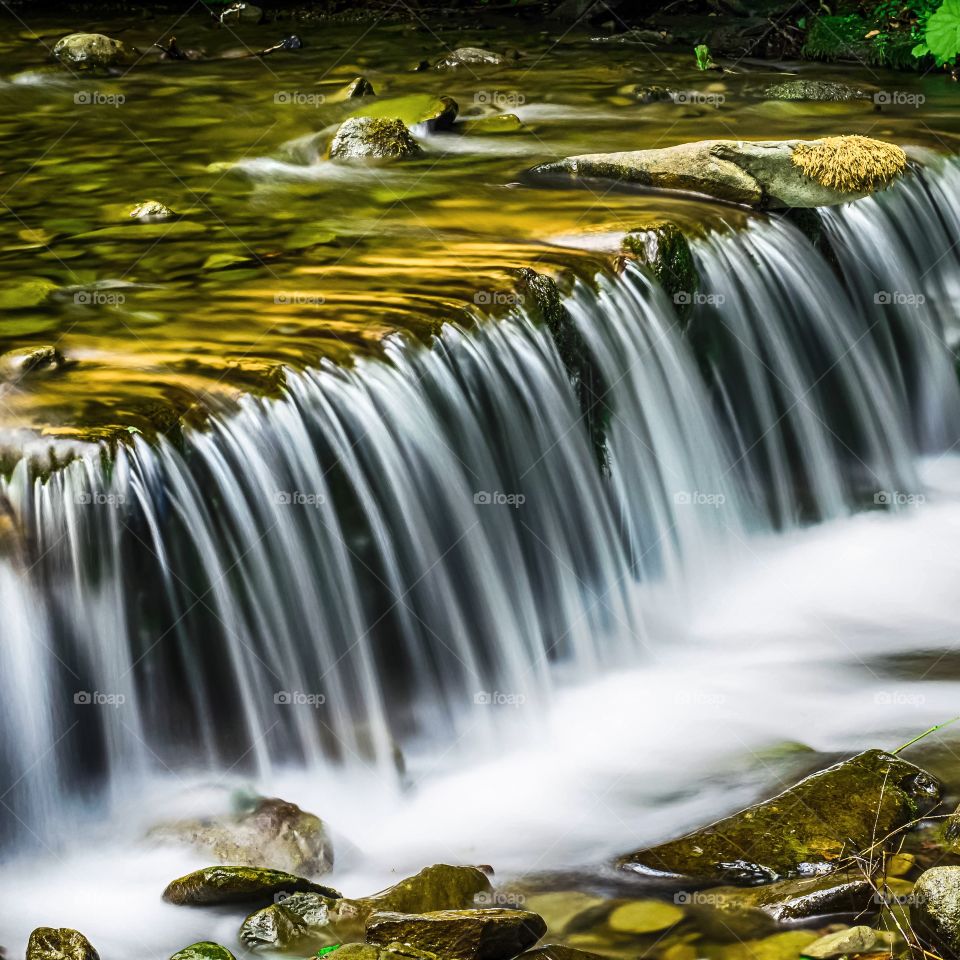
x: 704, y: 60
x: 941, y: 37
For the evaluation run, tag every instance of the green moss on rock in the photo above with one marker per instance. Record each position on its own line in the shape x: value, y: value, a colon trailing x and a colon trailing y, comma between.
x: 803, y: 831
x: 226, y: 884
x: 59, y: 943
x: 204, y: 950
x: 373, y: 138
x: 661, y: 245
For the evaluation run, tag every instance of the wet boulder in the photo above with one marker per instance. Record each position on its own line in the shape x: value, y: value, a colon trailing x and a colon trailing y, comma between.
x: 434, y: 113
x: 494, y: 934
x: 661, y: 245
x: 359, y: 87
x: 314, y: 918
x: 824, y: 90
x: 51, y: 943
x: 371, y: 138
x: 935, y: 910
x: 774, y: 174
x: 469, y: 57
x: 803, y: 831
x: 204, y: 950
x: 90, y: 51
x: 16, y: 365
x: 841, y: 943
x: 272, y: 834
x: 227, y: 884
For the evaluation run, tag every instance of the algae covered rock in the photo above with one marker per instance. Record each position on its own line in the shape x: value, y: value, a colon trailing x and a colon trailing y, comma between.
x: 802, y: 831
x: 494, y: 934
x: 469, y: 57
x: 435, y: 113
x: 774, y: 174
x: 814, y: 90
x: 662, y: 246
x: 372, y: 138
x: 788, y: 945
x: 272, y: 834
x: 935, y: 909
x: 204, y: 950
x: 53, y: 943
x: 227, y: 884
x: 16, y: 365
x: 860, y: 939
x: 438, y: 887
x: 89, y: 51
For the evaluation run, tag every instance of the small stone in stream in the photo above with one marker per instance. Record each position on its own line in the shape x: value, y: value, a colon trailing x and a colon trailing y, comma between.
x: 89, y: 51
x: 651, y: 93
x: 802, y: 831
x: 225, y: 884
x: 151, y: 210
x: 371, y: 138
x: 286, y: 924
x: 49, y: 943
x: 469, y: 57
x: 814, y: 90
x: 644, y: 916
x: 935, y: 909
x: 24, y: 362
x: 361, y: 87
x: 860, y: 939
x: 495, y: 934
x: 435, y: 113
x: 204, y: 950
x: 780, y: 946
x: 561, y: 909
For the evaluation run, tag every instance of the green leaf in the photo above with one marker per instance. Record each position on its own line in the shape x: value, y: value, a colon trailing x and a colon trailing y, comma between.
x: 943, y: 32
x: 920, y: 50
x: 323, y: 951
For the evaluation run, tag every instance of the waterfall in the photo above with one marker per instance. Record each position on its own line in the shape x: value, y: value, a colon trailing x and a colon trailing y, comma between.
x: 391, y: 547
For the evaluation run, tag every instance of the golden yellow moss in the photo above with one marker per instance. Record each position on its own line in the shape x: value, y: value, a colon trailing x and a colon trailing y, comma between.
x: 850, y: 164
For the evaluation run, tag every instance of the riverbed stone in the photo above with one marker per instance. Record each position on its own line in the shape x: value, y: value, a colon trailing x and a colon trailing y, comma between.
x: 859, y: 939
x: 469, y: 57
x: 356, y: 88
x: 204, y: 950
x: 16, y: 365
x: 59, y: 943
x: 272, y: 834
x: 563, y: 909
x: 493, y: 934
x: 372, y: 138
x: 559, y: 951
x: 435, y: 113
x: 774, y: 174
x: 804, y: 830
x: 786, y: 945
x: 935, y: 909
x: 151, y: 210
x: 644, y: 916
x: 232, y: 884
x: 487, y: 126
x: 89, y: 51
x: 824, y: 90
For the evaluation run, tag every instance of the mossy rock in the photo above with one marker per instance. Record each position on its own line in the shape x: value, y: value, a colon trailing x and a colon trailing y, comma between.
x: 204, y: 950
x: 469, y: 57
x: 436, y: 113
x: 841, y: 943
x: 438, y: 887
x: 935, y: 910
x: 59, y: 943
x: 788, y: 945
x: 662, y: 246
x: 372, y: 138
x: 494, y: 934
x: 90, y: 51
x: 824, y: 90
x: 16, y: 365
x: 226, y: 884
x: 803, y: 831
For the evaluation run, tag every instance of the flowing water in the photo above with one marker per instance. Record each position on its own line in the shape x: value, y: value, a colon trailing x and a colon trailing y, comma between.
x: 403, y: 591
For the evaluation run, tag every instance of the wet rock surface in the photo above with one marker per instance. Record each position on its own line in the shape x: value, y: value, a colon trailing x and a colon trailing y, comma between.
x: 935, y: 910
x: 229, y: 884
x: 369, y: 138
x: 59, y: 943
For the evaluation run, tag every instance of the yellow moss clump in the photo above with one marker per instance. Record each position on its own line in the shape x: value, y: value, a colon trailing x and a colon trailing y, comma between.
x: 850, y: 164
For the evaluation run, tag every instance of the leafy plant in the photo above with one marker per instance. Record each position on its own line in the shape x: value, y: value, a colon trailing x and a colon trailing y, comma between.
x: 941, y: 36
x: 704, y: 61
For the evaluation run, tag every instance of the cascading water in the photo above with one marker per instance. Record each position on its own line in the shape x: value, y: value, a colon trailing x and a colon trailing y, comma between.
x: 326, y: 576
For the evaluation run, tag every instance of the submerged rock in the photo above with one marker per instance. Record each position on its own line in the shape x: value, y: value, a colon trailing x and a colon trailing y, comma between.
x: 370, y: 138
x: 469, y: 57
x: 360, y: 87
x: 861, y: 939
x: 151, y: 210
x: 814, y: 90
x: 501, y: 123
x: 51, y: 943
x: 89, y: 51
x: 213, y: 885
x: 435, y: 113
x: 787, y: 945
x: 773, y: 173
x: 802, y: 831
x: 205, y: 950
x: 494, y: 934
x: 24, y: 362
x: 314, y: 917
x: 274, y: 834
x: 562, y: 909
x: 935, y: 910
x: 644, y: 916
